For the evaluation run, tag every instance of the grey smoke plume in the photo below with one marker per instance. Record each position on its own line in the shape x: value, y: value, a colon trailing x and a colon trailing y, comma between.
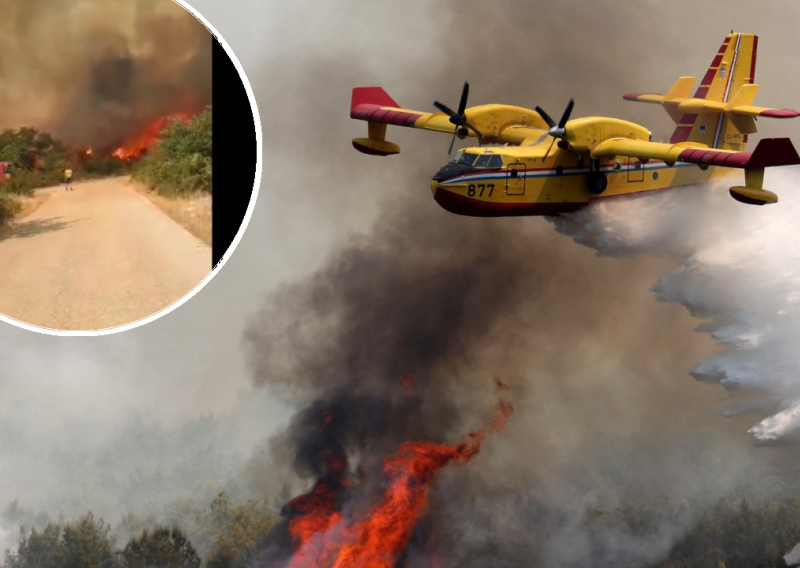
x: 94, y: 71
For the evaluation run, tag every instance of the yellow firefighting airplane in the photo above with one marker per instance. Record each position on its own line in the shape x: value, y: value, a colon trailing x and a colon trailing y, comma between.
x: 594, y: 158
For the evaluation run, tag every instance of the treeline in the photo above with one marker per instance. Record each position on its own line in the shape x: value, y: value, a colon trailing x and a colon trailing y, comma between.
x: 37, y: 159
x: 180, y: 164
x: 739, y: 534
x: 224, y: 533
x: 730, y: 533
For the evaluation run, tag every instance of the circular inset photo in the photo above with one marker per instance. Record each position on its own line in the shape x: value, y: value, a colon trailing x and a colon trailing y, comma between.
x: 116, y: 119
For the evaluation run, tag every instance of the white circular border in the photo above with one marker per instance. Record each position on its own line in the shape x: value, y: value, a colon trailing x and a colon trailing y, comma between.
x: 233, y: 245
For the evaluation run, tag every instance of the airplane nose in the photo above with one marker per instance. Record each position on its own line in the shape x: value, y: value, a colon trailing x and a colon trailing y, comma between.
x: 434, y: 186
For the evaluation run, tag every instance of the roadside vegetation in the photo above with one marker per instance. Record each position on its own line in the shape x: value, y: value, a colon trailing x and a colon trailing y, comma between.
x: 180, y: 164
x: 37, y: 160
x: 176, y: 171
x: 176, y: 174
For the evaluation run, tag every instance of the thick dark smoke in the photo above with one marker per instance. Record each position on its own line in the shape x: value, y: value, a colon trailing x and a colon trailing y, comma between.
x: 94, y: 71
x: 453, y: 304
x: 607, y: 413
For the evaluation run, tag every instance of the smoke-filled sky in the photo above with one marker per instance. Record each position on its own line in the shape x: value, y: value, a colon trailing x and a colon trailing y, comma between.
x: 600, y: 370
x: 93, y: 71
x: 606, y: 403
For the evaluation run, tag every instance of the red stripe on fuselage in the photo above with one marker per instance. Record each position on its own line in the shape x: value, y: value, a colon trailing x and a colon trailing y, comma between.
x: 462, y: 205
x: 548, y: 169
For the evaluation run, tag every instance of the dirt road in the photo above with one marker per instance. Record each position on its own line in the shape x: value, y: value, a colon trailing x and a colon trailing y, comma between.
x: 97, y: 257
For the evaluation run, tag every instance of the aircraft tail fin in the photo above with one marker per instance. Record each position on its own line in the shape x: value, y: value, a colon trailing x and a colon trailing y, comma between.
x: 720, y: 114
x: 733, y: 66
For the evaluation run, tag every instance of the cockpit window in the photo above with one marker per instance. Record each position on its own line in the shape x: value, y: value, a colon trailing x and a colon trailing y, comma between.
x: 468, y: 159
x: 478, y: 160
x: 482, y: 161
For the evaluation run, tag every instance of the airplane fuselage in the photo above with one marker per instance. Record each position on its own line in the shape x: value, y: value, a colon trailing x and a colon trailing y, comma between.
x: 527, y: 186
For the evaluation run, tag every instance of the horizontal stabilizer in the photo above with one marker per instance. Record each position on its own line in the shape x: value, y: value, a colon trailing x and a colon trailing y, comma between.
x: 644, y: 98
x: 740, y: 110
x: 680, y: 91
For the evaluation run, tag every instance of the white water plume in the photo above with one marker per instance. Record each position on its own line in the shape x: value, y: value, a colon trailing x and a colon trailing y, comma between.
x: 740, y: 273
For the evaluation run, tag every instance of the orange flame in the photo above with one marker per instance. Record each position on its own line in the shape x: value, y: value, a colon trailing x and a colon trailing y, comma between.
x: 376, y: 538
x: 89, y: 151
x: 137, y: 145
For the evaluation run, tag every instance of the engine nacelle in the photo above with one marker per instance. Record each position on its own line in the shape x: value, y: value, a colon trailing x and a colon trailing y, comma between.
x: 585, y: 134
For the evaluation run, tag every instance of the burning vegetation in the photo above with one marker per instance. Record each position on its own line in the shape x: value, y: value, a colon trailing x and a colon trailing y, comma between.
x: 137, y: 145
x: 376, y: 534
x: 371, y: 361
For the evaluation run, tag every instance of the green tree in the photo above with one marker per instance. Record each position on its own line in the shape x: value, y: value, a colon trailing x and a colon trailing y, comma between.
x: 88, y: 544
x: 85, y: 543
x: 236, y: 530
x: 38, y: 160
x: 160, y: 547
x: 37, y: 549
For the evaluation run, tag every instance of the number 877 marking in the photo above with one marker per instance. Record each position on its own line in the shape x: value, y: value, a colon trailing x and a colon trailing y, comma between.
x: 473, y: 189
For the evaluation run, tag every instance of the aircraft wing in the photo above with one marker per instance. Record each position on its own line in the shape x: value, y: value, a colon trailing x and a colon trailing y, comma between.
x: 770, y: 152
x: 373, y: 104
x: 502, y: 124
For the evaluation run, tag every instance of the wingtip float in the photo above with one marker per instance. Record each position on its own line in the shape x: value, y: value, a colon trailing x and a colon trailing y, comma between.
x: 526, y: 163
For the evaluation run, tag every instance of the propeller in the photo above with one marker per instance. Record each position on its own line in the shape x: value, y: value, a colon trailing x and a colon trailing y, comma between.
x: 459, y: 119
x: 557, y: 131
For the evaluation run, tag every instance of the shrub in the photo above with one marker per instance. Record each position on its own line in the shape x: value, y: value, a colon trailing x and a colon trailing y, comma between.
x: 9, y: 206
x: 180, y: 164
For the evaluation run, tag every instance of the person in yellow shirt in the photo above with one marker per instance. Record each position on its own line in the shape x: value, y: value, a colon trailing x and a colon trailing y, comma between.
x: 68, y: 179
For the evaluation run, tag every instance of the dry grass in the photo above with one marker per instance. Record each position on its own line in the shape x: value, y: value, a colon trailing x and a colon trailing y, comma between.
x: 31, y: 204
x: 23, y: 207
x: 193, y: 213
